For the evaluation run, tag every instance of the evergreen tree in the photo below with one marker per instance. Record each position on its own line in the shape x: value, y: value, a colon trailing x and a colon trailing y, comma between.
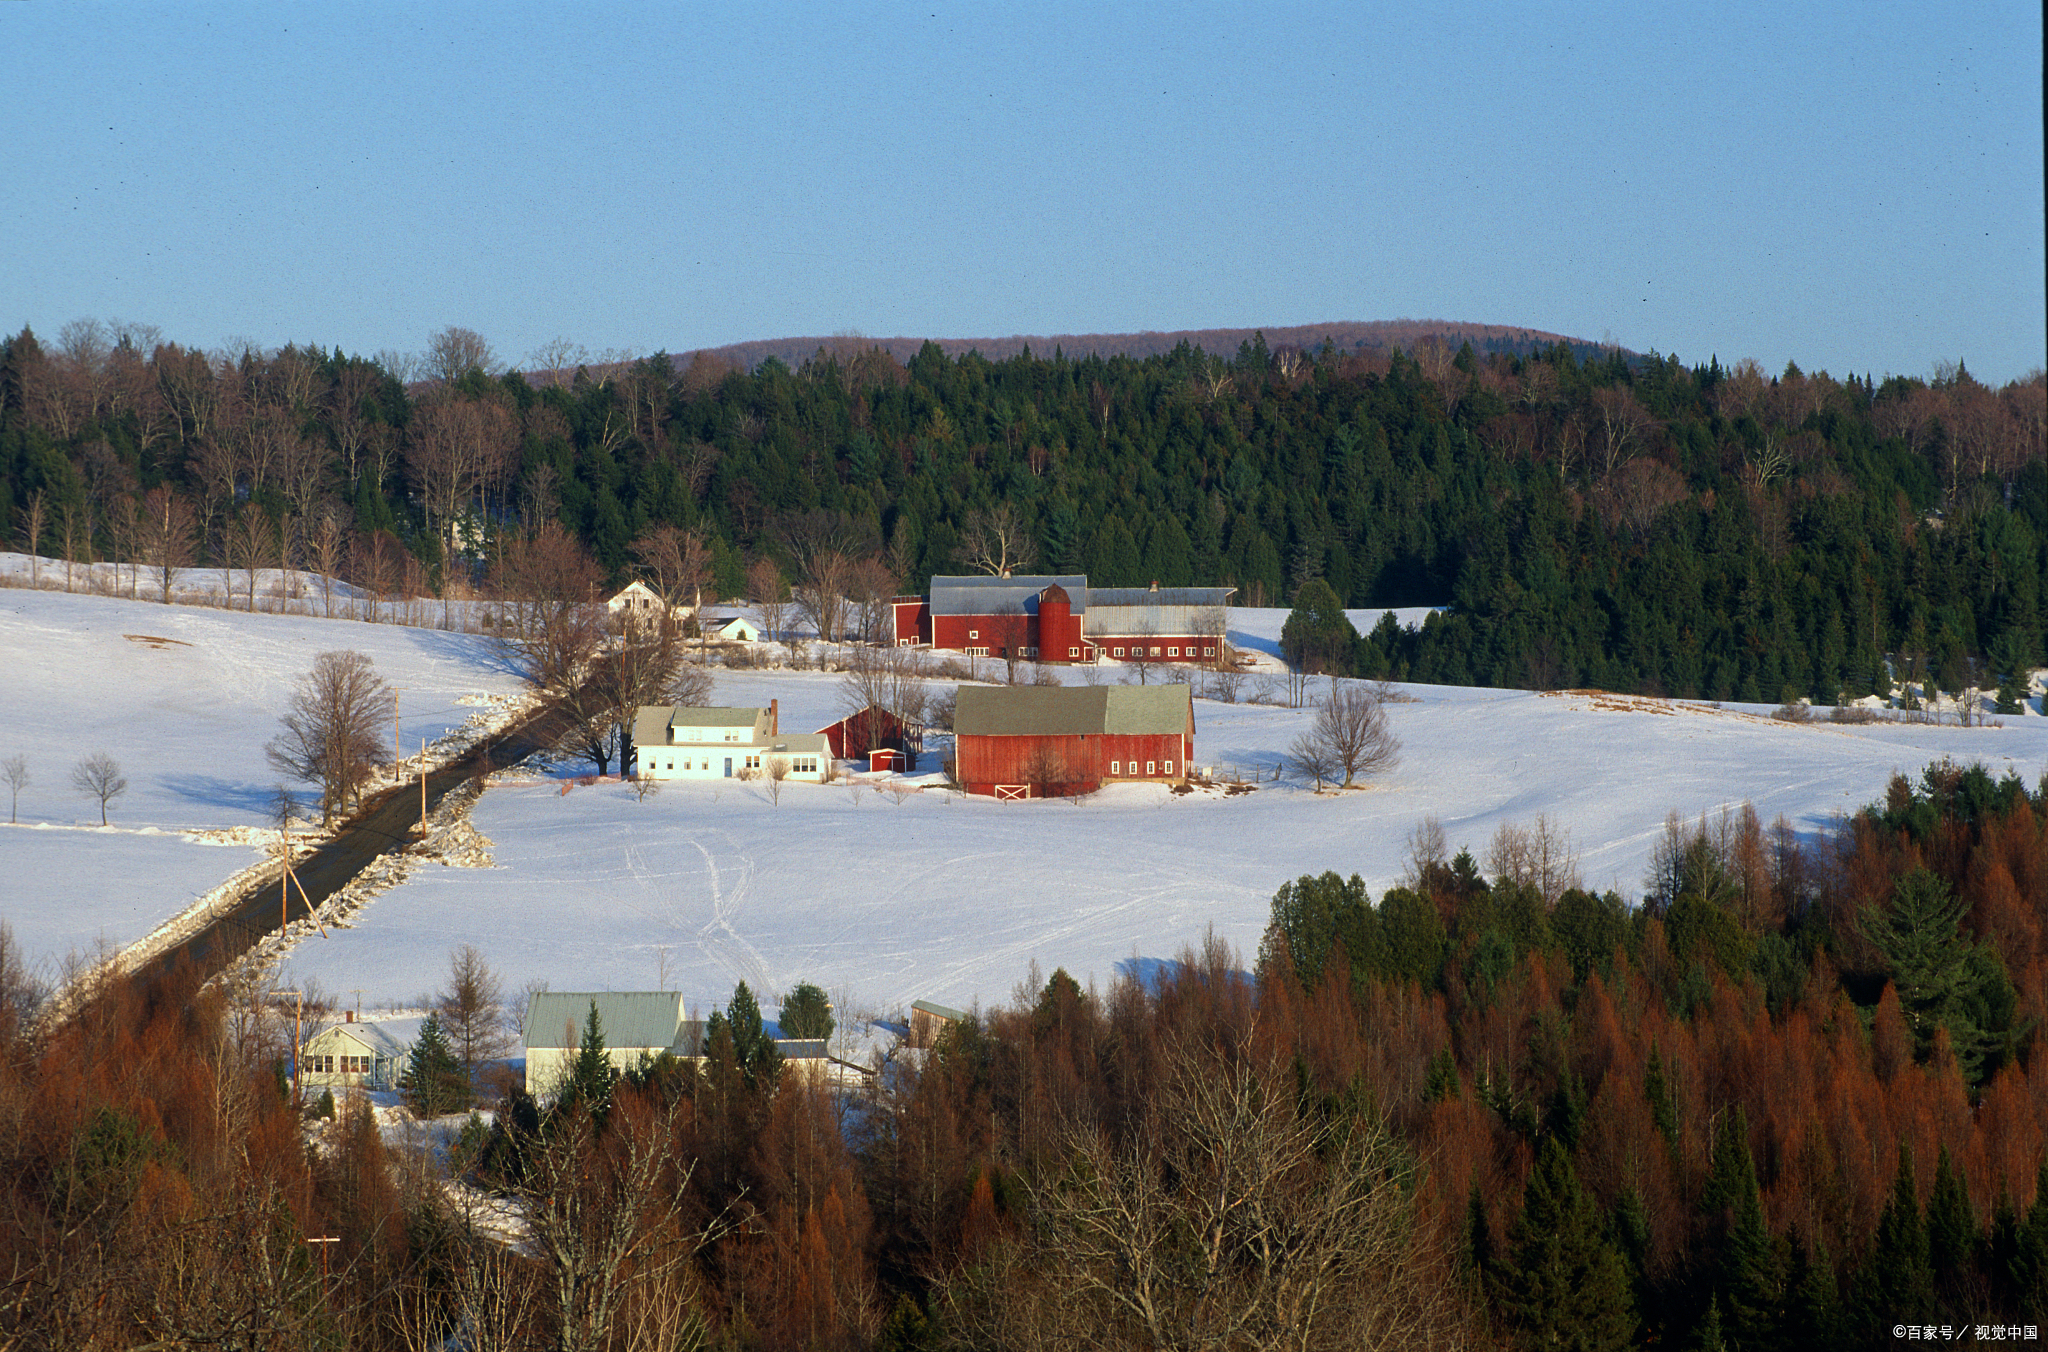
x: 1813, y: 1310
x: 2028, y: 1269
x: 1896, y: 1274
x: 806, y: 1013
x: 433, y: 1081
x: 758, y: 1058
x: 591, y: 1074
x: 1564, y: 1285
x: 1952, y: 1234
x: 1663, y: 1111
x: 1930, y: 962
x: 1318, y: 636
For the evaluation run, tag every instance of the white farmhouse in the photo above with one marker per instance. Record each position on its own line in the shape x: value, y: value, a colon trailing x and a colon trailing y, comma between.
x: 352, y: 1055
x: 677, y: 742
x: 636, y: 604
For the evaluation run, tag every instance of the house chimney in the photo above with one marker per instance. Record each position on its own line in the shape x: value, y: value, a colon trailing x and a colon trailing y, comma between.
x: 348, y: 1016
x: 774, y: 718
x: 1155, y: 584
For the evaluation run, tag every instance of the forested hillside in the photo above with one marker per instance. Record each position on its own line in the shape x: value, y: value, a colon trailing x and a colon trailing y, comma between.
x: 1631, y: 523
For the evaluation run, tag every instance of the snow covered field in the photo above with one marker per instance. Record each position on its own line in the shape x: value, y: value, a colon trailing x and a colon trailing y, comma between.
x: 879, y: 901
x: 949, y: 898
x: 184, y: 698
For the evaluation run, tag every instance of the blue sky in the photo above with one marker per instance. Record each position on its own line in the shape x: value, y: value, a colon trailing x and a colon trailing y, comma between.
x: 1858, y: 188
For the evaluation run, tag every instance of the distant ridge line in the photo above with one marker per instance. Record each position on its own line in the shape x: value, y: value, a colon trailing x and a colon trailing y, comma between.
x: 1344, y: 336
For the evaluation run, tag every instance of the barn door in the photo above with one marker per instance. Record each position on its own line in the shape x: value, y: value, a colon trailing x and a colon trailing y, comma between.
x: 1012, y: 793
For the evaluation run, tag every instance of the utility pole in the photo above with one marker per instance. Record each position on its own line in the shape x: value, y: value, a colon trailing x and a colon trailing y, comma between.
x: 423, y: 788
x: 394, y: 732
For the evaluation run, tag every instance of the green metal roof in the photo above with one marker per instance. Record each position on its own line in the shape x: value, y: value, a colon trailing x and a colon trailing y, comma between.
x: 626, y: 1018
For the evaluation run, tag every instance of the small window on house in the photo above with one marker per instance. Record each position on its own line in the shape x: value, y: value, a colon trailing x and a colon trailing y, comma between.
x: 1173, y: 652
x: 1148, y: 768
x: 1155, y: 650
x: 974, y: 633
x: 1073, y: 652
x: 1116, y: 767
x: 1169, y: 766
x: 1116, y: 652
x: 1208, y: 652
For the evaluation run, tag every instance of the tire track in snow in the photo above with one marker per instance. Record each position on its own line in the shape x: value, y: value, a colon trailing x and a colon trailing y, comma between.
x: 716, y: 938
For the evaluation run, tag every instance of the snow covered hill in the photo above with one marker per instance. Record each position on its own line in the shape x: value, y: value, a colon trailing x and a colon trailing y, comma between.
x: 880, y: 901
x: 184, y: 698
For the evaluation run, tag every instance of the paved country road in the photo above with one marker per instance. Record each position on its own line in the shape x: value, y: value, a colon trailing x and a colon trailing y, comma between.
x: 387, y: 822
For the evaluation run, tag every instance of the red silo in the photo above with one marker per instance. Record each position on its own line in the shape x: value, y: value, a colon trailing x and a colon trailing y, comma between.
x: 1059, y: 633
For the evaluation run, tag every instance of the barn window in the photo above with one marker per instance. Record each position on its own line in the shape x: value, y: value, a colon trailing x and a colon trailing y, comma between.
x: 1173, y: 652
x: 974, y: 633
x: 1169, y: 767
x: 1073, y: 652
x: 1119, y: 652
x: 1155, y: 650
x: 1148, y: 768
x: 1208, y: 652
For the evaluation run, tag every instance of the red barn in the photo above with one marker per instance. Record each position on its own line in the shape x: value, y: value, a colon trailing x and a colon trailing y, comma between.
x: 1050, y: 741
x: 1063, y: 619
x: 871, y: 729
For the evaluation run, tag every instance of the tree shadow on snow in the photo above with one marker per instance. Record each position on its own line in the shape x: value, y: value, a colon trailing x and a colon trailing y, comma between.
x: 233, y: 795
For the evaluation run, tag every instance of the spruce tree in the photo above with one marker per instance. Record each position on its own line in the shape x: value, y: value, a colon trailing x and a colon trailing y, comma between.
x: 433, y: 1081
x: 1930, y: 962
x: 591, y: 1074
x: 1564, y: 1285
x: 1896, y: 1275
x: 756, y: 1052
x: 1952, y: 1235
x: 2028, y: 1270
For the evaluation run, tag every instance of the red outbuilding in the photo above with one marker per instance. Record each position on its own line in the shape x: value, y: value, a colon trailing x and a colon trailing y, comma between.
x: 870, y: 729
x: 1055, y: 741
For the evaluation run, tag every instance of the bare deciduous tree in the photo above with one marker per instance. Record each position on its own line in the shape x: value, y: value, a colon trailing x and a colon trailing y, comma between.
x: 169, y: 536
x: 99, y: 776
x: 33, y: 520
x: 770, y: 596
x: 454, y: 352
x: 996, y: 540
x: 14, y: 770
x: 333, y: 731
x: 1350, y: 734
x: 1541, y: 856
x: 472, y: 1010
x: 1225, y: 1216
x: 457, y: 451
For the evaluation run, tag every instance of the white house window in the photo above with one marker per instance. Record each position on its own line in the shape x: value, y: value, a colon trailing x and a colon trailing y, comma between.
x: 1208, y: 652
x: 672, y: 764
x: 1173, y: 652
x: 974, y: 633
x: 1149, y: 769
x: 753, y: 762
x: 1118, y: 652
x: 1116, y: 767
x: 1073, y: 652
x: 1169, y: 767
x: 1155, y: 650
x: 977, y: 652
